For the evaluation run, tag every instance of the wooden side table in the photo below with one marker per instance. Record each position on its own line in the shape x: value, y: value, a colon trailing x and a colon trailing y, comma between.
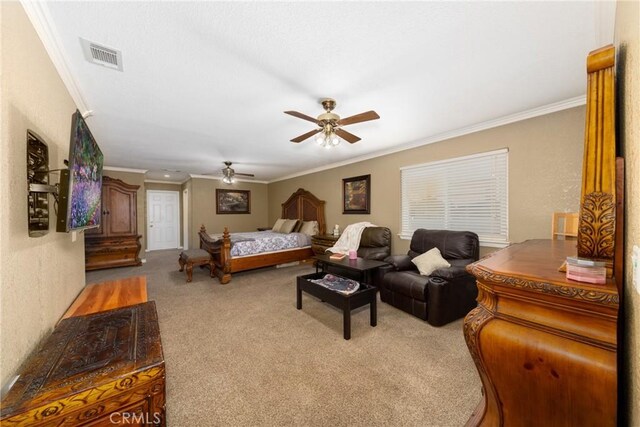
x: 322, y: 242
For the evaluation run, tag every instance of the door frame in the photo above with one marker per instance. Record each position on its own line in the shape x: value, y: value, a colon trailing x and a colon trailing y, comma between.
x: 178, y: 218
x: 185, y: 221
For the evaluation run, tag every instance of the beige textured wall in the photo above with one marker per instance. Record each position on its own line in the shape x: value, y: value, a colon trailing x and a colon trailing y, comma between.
x: 627, y: 39
x: 203, y: 200
x: 165, y: 187
x: 40, y: 277
x: 134, y: 179
x: 545, y: 160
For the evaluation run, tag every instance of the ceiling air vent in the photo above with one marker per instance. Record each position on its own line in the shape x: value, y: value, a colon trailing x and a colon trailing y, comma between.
x: 101, y: 55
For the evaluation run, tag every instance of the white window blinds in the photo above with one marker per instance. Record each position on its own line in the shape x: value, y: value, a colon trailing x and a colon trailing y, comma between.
x: 466, y: 193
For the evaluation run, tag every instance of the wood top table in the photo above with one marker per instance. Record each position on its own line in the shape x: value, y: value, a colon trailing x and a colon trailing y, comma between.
x: 108, y: 295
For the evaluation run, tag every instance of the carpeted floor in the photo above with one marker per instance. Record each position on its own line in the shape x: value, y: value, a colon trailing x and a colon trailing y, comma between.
x: 242, y: 355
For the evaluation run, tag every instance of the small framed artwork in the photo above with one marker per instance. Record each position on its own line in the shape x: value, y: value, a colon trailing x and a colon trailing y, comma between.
x: 233, y: 201
x: 356, y: 195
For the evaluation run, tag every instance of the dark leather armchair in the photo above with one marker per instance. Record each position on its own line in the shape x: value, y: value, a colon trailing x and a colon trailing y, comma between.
x: 445, y: 295
x: 375, y: 244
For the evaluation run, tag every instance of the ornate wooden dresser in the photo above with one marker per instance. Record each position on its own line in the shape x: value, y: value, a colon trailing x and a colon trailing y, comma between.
x: 116, y: 243
x: 102, y: 369
x: 545, y: 346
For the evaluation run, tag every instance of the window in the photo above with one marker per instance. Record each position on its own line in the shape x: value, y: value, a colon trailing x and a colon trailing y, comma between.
x: 466, y: 193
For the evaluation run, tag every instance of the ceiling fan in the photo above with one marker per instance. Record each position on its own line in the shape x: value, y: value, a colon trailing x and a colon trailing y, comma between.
x: 330, y: 125
x: 228, y: 173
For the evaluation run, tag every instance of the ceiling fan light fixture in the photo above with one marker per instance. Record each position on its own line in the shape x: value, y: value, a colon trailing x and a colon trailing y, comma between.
x: 331, y: 125
x: 328, y: 139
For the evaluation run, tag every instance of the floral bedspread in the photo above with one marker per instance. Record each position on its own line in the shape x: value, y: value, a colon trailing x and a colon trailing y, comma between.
x: 243, y: 244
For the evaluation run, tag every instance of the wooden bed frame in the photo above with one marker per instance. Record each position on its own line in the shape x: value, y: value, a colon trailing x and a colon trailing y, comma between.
x: 302, y: 205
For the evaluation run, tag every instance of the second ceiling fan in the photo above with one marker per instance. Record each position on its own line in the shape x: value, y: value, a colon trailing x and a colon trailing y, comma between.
x: 228, y: 173
x: 330, y: 124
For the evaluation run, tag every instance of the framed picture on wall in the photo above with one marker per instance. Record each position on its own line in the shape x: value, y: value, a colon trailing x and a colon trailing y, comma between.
x: 233, y: 201
x: 356, y: 195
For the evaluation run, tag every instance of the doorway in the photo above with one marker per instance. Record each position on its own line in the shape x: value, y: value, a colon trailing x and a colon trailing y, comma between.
x: 163, y: 220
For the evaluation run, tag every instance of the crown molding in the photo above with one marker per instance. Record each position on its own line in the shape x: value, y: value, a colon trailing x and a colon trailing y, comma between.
x: 489, y: 124
x: 41, y: 20
x: 157, y: 181
x: 118, y: 169
x: 255, y: 181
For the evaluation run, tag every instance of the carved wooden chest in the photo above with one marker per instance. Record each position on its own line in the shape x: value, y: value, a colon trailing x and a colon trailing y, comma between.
x: 101, y: 369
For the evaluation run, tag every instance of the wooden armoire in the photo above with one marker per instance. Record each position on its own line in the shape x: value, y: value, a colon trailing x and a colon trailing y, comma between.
x: 116, y: 243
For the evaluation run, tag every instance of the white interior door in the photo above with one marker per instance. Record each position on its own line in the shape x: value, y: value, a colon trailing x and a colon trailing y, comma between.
x: 163, y: 219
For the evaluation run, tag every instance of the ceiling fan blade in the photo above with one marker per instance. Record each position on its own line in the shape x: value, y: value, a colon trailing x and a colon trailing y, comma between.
x: 362, y: 117
x: 349, y: 137
x: 244, y: 174
x: 302, y: 116
x: 306, y: 135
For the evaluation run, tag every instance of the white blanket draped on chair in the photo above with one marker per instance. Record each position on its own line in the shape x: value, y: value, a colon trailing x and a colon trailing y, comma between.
x: 350, y: 238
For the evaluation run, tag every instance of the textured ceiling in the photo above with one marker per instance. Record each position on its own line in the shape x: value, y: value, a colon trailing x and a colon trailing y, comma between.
x: 208, y: 81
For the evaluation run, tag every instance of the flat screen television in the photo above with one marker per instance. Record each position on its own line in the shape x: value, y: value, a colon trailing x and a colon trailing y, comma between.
x: 79, y: 205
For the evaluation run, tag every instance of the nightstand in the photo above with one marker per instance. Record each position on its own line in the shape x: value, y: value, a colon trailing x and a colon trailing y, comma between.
x: 321, y: 242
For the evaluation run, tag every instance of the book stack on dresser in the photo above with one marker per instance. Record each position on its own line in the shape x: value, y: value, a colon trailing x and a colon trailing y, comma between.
x: 586, y: 270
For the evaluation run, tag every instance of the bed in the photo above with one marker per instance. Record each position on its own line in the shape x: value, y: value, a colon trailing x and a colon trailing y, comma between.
x: 301, y: 205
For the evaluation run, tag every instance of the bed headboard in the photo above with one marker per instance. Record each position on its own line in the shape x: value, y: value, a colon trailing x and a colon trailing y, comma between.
x: 303, y: 205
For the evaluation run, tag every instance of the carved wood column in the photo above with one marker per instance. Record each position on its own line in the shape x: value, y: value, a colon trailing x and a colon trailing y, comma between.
x: 596, y: 230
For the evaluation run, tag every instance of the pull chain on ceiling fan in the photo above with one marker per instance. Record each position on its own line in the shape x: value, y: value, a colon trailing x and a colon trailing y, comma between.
x: 330, y: 125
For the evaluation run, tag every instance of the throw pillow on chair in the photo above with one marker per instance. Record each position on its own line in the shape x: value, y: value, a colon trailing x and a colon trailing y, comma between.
x: 430, y: 261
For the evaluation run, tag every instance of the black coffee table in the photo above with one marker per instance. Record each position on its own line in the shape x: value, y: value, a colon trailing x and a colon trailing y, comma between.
x: 363, y: 267
x: 366, y: 294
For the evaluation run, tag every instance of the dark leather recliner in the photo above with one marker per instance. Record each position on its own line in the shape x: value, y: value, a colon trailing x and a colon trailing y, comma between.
x: 375, y: 244
x: 445, y: 295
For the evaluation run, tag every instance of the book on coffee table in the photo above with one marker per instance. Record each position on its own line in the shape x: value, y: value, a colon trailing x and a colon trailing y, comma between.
x: 337, y: 256
x: 338, y: 284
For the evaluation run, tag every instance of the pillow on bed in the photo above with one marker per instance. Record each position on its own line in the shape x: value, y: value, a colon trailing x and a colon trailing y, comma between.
x: 309, y: 228
x: 288, y: 226
x: 278, y: 224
